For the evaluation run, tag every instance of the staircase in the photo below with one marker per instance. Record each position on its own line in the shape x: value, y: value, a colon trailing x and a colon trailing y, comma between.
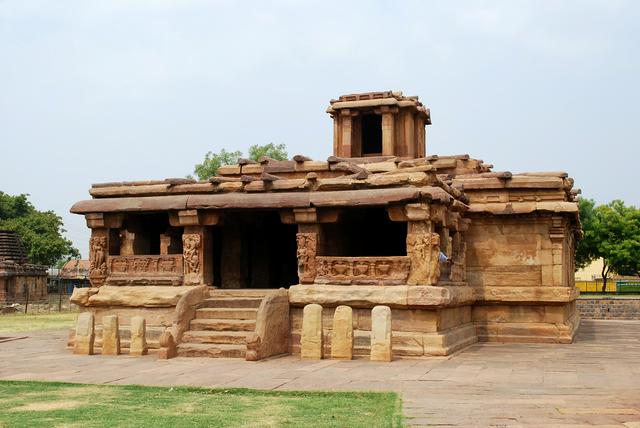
x: 222, y: 324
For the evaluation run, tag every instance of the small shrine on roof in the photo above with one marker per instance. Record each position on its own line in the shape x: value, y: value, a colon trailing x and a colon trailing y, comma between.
x: 458, y: 252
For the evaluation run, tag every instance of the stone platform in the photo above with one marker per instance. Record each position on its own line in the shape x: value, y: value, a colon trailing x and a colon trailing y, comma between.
x: 592, y: 382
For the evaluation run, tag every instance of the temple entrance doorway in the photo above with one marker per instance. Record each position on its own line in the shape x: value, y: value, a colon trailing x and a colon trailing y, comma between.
x: 254, y: 250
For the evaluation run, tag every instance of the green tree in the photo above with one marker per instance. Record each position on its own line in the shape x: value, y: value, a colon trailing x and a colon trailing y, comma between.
x: 611, y: 232
x: 273, y: 151
x: 40, y: 231
x: 213, y: 161
x: 586, y: 250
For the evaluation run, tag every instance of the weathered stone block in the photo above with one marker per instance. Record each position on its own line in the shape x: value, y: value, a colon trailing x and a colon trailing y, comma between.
x: 110, y: 335
x: 342, y: 334
x: 381, y: 334
x: 168, y: 348
x: 85, y: 334
x: 138, y: 345
x: 311, y: 340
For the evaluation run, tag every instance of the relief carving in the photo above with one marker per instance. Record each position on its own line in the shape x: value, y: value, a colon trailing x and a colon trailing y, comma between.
x: 459, y: 266
x: 97, y: 257
x: 423, y: 250
x: 362, y: 270
x: 144, y: 265
x: 191, y: 252
x: 307, y: 244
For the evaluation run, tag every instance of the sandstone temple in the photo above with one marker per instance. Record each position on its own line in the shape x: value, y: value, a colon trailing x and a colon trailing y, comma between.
x: 381, y: 251
x: 20, y: 281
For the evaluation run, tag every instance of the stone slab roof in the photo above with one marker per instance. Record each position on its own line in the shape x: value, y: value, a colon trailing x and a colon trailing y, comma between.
x: 11, y: 248
x: 379, y: 180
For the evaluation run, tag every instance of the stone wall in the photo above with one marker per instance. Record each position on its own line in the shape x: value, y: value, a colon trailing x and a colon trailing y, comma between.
x: 609, y: 308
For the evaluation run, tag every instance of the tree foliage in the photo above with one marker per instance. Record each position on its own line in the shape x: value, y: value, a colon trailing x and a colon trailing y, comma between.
x: 40, y: 231
x: 213, y: 161
x: 273, y: 151
x: 611, y: 232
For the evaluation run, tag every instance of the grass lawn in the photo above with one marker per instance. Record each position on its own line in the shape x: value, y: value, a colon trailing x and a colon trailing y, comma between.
x: 52, y: 404
x: 15, y: 323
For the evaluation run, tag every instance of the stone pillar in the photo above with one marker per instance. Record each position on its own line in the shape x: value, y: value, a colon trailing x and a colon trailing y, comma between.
x: 388, y: 131
x: 345, y: 146
x: 110, y: 335
x: 138, y: 344
x: 306, y: 252
x: 342, y: 333
x: 197, y: 244
x: 85, y: 334
x: 98, y: 251
x: 311, y: 340
x: 381, y: 334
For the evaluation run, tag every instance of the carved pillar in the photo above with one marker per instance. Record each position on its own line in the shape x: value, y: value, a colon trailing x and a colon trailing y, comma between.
x: 309, y: 237
x: 197, y: 255
x: 100, y: 224
x: 307, y: 248
x: 388, y: 131
x: 197, y: 244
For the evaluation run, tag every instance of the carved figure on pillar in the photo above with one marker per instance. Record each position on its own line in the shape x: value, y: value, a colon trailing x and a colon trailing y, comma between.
x: 423, y: 250
x: 97, y: 257
x: 191, y: 255
x: 307, y: 244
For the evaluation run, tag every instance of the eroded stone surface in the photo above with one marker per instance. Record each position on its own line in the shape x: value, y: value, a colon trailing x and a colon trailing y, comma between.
x: 381, y: 334
x: 138, y: 344
x: 85, y: 334
x: 342, y: 333
x: 110, y: 335
x: 311, y: 341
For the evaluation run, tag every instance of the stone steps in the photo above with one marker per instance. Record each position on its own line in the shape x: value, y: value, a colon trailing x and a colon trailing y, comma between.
x: 222, y: 324
x: 217, y: 337
x: 227, y: 313
x: 218, y: 324
x: 231, y: 302
x: 215, y: 351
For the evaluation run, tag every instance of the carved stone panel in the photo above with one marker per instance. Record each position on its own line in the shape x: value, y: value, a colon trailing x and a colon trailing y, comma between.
x: 97, y: 259
x: 423, y: 249
x: 191, y: 244
x: 362, y: 270
x: 307, y: 246
x: 145, y: 270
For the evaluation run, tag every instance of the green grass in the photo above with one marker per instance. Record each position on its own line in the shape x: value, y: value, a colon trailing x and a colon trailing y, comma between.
x: 16, y: 323
x: 52, y: 404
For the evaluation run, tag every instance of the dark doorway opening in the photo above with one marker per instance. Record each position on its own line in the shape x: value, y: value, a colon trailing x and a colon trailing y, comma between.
x: 365, y: 232
x: 254, y: 250
x: 371, y: 135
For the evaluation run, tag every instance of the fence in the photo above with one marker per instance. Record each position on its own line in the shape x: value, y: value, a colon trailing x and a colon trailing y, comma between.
x: 613, y: 287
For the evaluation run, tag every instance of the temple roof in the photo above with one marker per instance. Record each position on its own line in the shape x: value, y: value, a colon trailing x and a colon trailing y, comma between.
x: 11, y: 248
x: 381, y: 180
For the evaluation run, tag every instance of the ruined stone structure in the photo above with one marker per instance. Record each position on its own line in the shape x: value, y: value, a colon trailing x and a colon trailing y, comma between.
x: 20, y: 281
x: 447, y: 251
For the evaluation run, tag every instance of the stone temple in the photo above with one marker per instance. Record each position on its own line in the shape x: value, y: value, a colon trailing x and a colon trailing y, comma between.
x: 20, y: 281
x: 380, y: 251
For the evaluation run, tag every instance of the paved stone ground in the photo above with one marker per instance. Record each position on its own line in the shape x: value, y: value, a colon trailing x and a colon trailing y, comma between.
x: 593, y: 382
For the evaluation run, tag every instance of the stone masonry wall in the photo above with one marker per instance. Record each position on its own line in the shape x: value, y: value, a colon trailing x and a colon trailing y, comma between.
x: 609, y: 308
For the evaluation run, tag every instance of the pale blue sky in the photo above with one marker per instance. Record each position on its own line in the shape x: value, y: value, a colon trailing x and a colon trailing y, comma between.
x: 124, y: 90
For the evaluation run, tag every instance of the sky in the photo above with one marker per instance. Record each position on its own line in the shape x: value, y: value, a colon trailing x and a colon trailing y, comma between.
x: 97, y: 91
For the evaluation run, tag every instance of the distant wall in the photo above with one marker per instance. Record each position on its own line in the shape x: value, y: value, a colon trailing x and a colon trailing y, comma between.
x: 609, y: 308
